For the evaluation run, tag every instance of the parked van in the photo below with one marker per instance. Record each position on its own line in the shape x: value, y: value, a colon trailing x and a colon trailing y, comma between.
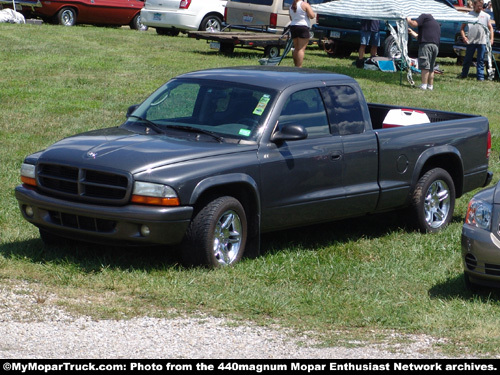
x: 260, y: 15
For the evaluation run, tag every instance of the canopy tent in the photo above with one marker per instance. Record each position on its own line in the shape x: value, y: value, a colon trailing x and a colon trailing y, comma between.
x: 396, y: 11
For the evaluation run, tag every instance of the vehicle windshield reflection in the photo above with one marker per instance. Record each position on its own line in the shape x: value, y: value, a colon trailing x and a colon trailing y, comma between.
x: 219, y: 109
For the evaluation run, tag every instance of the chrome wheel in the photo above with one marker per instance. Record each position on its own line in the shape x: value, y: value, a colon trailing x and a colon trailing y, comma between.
x: 217, y: 234
x: 227, y: 238
x: 434, y: 200
x: 437, y: 204
x: 67, y: 17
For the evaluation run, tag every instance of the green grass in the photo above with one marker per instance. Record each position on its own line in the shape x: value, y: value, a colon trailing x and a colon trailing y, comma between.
x: 361, y: 277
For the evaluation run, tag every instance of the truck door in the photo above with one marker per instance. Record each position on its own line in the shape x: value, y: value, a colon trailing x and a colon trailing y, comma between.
x: 302, y: 179
x: 349, y: 117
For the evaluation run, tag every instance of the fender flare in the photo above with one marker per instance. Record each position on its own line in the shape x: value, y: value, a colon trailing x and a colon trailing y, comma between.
x: 439, y: 151
x: 254, y: 219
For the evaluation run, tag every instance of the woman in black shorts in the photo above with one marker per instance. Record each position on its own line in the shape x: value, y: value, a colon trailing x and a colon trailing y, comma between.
x: 300, y: 13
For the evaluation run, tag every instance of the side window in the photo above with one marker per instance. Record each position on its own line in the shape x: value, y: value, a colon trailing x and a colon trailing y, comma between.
x: 344, y: 110
x: 306, y: 108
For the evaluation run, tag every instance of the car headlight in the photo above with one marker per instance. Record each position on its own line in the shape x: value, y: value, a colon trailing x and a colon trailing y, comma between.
x: 28, y: 174
x: 154, y: 194
x: 479, y: 214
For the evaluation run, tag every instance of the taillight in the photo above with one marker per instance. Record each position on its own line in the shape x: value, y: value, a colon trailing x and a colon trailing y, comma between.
x: 273, y: 20
x: 184, y: 4
x: 225, y: 14
x: 488, y: 148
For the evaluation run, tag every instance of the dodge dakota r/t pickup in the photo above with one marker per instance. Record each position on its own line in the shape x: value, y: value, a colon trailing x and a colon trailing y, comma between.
x: 214, y: 158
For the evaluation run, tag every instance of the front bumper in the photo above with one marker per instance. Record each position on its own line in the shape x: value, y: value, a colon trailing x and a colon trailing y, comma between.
x: 481, y: 256
x: 116, y: 225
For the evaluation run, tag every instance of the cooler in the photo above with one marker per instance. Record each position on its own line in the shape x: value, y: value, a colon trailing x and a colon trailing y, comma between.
x: 404, y: 117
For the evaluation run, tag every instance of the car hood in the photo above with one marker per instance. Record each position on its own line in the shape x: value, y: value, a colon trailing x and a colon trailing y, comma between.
x: 121, y: 149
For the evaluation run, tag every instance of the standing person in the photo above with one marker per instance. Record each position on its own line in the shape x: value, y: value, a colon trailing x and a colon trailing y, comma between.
x: 428, y: 36
x: 476, y: 40
x: 370, y: 35
x: 300, y: 13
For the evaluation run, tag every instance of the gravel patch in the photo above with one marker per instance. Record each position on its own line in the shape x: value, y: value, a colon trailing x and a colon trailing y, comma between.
x: 31, y: 327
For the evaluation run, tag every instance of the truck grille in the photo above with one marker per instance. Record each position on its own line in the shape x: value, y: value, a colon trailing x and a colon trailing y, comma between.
x: 84, y: 184
x: 82, y: 222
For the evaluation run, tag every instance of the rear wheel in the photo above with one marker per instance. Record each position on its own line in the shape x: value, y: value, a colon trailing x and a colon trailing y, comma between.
x: 434, y: 200
x: 66, y: 17
x: 217, y: 235
x: 136, y: 23
x: 211, y: 23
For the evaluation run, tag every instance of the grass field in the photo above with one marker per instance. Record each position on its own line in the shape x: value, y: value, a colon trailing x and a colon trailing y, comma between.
x: 353, y: 279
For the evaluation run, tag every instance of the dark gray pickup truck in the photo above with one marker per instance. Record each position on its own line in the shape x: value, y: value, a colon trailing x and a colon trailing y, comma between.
x: 214, y: 158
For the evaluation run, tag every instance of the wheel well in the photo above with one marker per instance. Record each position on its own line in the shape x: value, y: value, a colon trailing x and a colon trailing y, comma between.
x: 249, y: 199
x: 220, y: 16
x: 451, y: 164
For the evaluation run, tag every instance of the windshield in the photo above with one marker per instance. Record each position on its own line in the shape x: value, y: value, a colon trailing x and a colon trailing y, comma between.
x: 225, y: 109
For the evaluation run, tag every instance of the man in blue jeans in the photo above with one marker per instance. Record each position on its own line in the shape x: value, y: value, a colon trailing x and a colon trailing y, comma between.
x: 476, y: 40
x: 370, y: 35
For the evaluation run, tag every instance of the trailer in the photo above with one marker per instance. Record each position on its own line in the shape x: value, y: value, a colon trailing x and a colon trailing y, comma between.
x: 227, y: 41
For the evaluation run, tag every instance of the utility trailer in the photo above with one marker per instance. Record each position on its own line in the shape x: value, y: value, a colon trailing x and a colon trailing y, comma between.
x: 227, y: 41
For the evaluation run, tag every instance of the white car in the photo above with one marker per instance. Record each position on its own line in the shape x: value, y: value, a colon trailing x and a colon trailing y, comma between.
x: 170, y: 17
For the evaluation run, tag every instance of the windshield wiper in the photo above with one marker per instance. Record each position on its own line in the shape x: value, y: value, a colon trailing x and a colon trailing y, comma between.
x: 157, y: 128
x: 192, y: 129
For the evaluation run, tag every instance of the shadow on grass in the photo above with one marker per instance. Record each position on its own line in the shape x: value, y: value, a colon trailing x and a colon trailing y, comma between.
x: 91, y: 257
x: 455, y: 287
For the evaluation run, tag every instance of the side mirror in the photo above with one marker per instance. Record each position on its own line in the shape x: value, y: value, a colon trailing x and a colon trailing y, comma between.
x: 289, y: 132
x: 131, y: 109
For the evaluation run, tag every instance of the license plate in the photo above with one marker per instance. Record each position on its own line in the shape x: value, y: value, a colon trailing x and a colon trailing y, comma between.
x: 215, y: 45
x: 334, y: 34
x: 247, y: 18
x: 157, y: 17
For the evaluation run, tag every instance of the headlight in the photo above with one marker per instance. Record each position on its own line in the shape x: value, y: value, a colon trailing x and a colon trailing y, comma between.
x: 28, y: 174
x: 154, y: 194
x: 479, y: 214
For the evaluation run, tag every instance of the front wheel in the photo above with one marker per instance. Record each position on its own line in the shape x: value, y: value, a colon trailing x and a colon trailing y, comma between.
x: 217, y: 235
x: 391, y: 49
x: 434, y: 200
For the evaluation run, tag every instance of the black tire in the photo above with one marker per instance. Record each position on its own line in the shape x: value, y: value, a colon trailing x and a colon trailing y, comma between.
x: 334, y: 48
x: 217, y: 235
x: 434, y: 200
x: 66, y: 16
x: 136, y: 23
x: 391, y: 49
x: 166, y: 31
x: 272, y: 51
x: 211, y: 22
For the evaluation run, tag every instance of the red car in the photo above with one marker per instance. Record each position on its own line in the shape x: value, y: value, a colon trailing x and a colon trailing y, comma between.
x: 94, y: 12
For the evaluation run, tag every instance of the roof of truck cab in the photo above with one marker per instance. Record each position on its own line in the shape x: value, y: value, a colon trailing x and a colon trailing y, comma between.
x: 273, y: 77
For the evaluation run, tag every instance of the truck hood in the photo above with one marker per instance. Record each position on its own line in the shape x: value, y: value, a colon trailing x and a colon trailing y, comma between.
x: 117, y: 148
